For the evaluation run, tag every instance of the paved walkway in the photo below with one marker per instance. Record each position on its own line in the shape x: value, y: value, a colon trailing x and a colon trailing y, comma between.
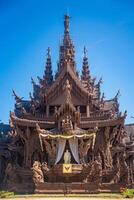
x: 65, y: 198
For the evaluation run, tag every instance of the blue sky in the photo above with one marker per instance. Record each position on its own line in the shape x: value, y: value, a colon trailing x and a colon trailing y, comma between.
x: 28, y: 27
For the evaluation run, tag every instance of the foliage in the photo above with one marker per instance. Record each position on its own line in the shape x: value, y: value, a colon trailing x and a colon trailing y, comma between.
x: 127, y: 193
x: 6, y: 194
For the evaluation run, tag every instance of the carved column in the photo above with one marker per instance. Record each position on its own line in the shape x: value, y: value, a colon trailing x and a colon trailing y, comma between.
x: 88, y: 112
x: 47, y: 110
x: 28, y: 145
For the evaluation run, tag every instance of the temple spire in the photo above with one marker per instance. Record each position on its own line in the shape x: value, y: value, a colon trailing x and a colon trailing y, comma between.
x: 67, y: 42
x: 85, y: 68
x: 66, y: 24
x: 48, y: 70
x: 48, y: 53
x: 67, y: 51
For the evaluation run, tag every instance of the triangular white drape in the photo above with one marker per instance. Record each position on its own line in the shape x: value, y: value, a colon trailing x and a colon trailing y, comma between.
x: 60, y: 150
x: 73, y: 143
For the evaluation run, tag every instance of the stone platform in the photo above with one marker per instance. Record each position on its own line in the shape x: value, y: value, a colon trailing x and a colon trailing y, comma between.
x: 65, y: 188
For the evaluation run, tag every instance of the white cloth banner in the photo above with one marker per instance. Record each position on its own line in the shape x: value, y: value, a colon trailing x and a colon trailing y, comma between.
x: 60, y: 150
x: 73, y: 143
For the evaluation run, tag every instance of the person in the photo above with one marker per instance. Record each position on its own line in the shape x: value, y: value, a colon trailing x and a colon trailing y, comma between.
x: 67, y: 157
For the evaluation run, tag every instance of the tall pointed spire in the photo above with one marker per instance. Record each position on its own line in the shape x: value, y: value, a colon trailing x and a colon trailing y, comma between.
x: 85, y: 68
x: 48, y: 77
x: 67, y: 51
x: 67, y: 39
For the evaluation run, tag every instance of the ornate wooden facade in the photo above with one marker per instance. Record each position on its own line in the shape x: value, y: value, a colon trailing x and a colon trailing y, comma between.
x: 67, y: 121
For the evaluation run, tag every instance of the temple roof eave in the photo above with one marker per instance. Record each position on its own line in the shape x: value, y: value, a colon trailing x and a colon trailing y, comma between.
x: 103, y: 123
x: 83, y: 124
x: 31, y: 123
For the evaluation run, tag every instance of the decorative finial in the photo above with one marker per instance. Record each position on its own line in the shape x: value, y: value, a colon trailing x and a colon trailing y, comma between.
x: 100, y: 81
x: 48, y: 52
x: 85, y: 52
x: 66, y: 23
x: 17, y: 98
x: 48, y: 75
x: 30, y: 95
x: 32, y: 81
x: 103, y: 97
x: 125, y: 114
x: 117, y: 95
x: 39, y: 79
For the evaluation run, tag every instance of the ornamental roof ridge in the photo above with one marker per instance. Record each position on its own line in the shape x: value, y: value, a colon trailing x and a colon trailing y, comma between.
x: 67, y: 70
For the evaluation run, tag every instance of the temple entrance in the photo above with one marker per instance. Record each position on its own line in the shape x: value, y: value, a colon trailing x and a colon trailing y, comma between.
x: 67, y: 148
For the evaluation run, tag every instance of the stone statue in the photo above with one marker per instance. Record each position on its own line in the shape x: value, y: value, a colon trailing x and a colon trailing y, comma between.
x: 67, y: 157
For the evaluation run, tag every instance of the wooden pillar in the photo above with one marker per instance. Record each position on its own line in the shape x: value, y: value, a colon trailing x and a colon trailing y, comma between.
x: 47, y: 110
x: 88, y: 112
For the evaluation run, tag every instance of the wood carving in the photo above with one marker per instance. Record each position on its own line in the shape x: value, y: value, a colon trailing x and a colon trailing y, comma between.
x: 64, y: 114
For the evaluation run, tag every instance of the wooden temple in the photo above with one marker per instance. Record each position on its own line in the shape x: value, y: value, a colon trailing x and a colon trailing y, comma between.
x: 67, y: 138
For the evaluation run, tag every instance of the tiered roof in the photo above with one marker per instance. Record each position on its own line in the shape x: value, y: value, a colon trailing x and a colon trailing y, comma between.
x: 84, y: 91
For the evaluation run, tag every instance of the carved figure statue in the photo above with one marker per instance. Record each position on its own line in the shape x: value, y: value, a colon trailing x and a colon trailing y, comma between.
x: 51, y: 150
x: 67, y: 89
x: 8, y: 172
x: 113, y: 135
x: 67, y: 157
x: 107, y: 152
x: 45, y: 167
x: 95, y: 172
x: 84, y: 147
x: 116, y: 173
x: 124, y: 170
x: 28, y: 141
x: 67, y: 124
x: 10, y: 175
x: 55, y: 109
x: 37, y: 173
